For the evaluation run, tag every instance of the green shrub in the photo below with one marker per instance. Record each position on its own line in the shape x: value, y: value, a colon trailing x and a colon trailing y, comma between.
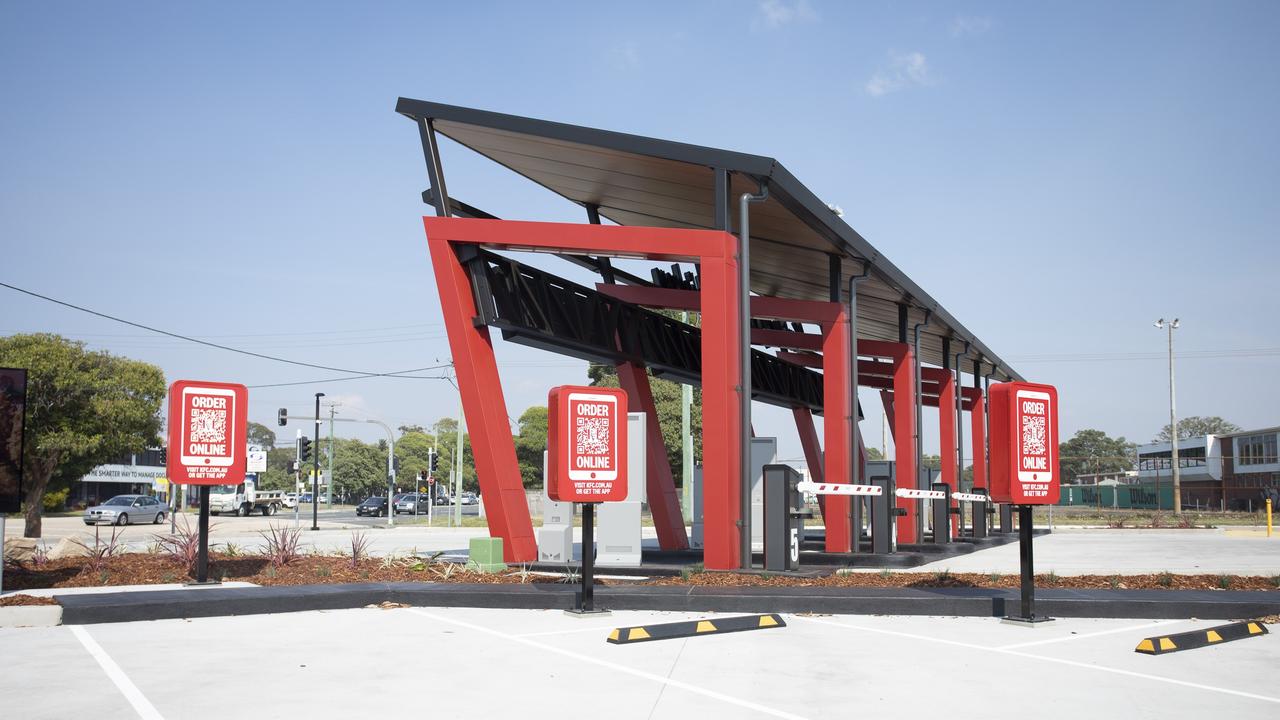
x: 55, y: 500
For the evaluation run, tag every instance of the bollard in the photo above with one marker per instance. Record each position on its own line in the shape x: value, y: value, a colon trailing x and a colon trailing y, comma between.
x: 782, y: 518
x: 882, y: 512
x: 941, y: 513
x: 1006, y: 518
x: 979, y: 514
x: 1268, y: 517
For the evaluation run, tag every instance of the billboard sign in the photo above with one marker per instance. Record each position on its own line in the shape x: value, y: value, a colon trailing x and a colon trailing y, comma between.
x: 587, y: 444
x: 208, y: 422
x: 1024, y: 443
x: 13, y: 405
x: 257, y: 460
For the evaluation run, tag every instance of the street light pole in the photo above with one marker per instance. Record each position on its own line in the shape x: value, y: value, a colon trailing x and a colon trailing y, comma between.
x: 315, y: 478
x: 1173, y: 421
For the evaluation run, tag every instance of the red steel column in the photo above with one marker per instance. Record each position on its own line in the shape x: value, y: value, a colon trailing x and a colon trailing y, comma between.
x: 837, y: 432
x: 664, y: 502
x: 978, y: 432
x: 481, y: 387
x: 812, y: 449
x: 721, y: 422
x: 904, y: 421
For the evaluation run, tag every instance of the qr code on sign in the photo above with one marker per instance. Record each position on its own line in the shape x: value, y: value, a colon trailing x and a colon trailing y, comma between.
x: 592, y: 436
x: 1033, y: 427
x: 208, y: 426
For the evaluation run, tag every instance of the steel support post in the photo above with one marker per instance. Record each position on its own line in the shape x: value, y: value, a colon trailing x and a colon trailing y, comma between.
x: 435, y: 173
x: 947, y: 422
x: 857, y: 453
x: 587, y: 603
x: 1028, y: 580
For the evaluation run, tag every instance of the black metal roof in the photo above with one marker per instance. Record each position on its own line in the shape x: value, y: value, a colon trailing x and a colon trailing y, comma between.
x: 636, y: 180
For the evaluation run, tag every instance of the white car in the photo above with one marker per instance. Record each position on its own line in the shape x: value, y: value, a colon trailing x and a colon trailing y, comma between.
x: 290, y: 500
x: 126, y: 509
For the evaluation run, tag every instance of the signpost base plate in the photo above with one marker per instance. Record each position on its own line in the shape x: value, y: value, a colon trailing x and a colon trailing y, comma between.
x: 580, y: 613
x: 1026, y: 622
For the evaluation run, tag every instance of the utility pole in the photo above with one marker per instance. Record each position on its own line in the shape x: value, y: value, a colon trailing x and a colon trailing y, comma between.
x: 1173, y: 421
x: 457, y: 462
x: 329, y: 486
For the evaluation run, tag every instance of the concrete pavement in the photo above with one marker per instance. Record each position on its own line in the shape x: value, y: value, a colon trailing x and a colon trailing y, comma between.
x: 535, y: 664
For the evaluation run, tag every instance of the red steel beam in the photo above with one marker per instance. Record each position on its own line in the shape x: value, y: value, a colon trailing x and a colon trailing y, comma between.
x: 947, y: 441
x: 812, y: 449
x: 660, y: 486
x: 977, y: 419
x: 837, y: 414
x: 487, y: 421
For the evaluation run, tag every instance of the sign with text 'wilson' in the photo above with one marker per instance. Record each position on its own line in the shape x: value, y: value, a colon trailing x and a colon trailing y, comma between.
x: 587, y: 444
x: 1024, y: 443
x: 208, y: 423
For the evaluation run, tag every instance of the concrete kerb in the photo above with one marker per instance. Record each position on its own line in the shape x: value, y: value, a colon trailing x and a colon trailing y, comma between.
x: 970, y: 602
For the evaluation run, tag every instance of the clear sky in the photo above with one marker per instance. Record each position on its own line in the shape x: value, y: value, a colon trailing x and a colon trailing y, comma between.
x: 236, y: 172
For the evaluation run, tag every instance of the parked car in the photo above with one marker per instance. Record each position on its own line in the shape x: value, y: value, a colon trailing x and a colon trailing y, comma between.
x: 407, y: 502
x: 291, y: 500
x: 469, y: 498
x: 127, y: 509
x: 374, y: 507
x: 443, y: 499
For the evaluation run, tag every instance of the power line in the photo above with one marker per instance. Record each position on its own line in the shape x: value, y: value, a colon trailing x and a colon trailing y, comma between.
x: 198, y: 341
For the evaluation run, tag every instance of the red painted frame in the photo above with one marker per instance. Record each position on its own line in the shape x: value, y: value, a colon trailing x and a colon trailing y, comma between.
x: 481, y: 386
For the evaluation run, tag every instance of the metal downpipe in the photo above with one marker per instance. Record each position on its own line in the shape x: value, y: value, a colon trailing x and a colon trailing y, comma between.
x: 856, y: 475
x: 744, y: 398
x: 919, y: 435
x: 959, y: 419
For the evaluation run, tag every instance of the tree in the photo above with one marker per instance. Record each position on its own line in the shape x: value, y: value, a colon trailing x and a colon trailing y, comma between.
x: 84, y: 408
x: 873, y: 453
x: 1092, y: 451
x: 1196, y: 426
x: 530, y: 444
x: 261, y: 435
x: 359, y: 468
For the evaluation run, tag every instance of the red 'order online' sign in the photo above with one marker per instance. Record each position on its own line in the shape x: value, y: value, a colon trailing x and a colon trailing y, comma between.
x: 208, y: 425
x: 1024, y: 443
x: 586, y: 444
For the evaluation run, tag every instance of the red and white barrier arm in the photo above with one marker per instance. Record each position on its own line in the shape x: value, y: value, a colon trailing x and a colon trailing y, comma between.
x: 921, y: 494
x: 838, y: 489
x: 969, y: 497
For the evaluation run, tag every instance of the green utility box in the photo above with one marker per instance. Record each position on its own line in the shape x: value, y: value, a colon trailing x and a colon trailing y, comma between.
x: 486, y: 555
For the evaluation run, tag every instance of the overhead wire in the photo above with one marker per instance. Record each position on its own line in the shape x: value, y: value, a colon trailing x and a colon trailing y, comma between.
x: 207, y: 343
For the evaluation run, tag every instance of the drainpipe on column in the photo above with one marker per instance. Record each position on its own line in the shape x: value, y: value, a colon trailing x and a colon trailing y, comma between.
x: 744, y: 320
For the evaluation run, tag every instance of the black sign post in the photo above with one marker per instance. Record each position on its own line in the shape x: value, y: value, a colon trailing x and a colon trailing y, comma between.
x: 1026, y: 561
x: 585, y: 602
x: 202, y: 558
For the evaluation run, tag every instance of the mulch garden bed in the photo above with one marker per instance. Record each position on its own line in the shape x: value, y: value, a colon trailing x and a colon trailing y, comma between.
x: 15, y: 600
x: 154, y: 568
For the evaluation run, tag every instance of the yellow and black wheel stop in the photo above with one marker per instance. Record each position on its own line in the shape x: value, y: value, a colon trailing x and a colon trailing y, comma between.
x: 694, y: 628
x: 1163, y: 644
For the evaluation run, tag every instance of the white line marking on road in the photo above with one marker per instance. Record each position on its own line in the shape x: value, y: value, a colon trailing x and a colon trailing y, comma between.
x: 602, y: 628
x: 1073, y: 663
x: 144, y: 708
x: 612, y: 666
x: 1133, y: 628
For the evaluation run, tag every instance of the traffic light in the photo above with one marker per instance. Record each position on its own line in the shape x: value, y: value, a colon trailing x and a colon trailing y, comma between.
x: 435, y: 462
x: 282, y: 417
x: 304, y: 448
x: 164, y: 456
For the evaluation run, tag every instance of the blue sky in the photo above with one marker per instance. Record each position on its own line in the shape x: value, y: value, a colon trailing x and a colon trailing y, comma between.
x: 1058, y: 175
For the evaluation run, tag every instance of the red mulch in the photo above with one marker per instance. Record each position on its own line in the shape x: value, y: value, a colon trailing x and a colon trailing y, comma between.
x: 147, y: 569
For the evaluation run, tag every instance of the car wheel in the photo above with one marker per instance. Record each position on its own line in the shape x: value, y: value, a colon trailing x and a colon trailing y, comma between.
x: 159, y: 518
x: 123, y: 519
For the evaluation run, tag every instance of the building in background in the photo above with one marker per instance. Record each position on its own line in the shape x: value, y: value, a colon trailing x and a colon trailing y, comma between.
x: 1229, y: 471
x: 135, y: 473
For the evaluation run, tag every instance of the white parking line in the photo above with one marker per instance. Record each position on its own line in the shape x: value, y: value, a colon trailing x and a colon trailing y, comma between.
x: 1132, y: 628
x: 144, y: 708
x: 612, y: 666
x: 600, y: 629
x: 1061, y: 661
